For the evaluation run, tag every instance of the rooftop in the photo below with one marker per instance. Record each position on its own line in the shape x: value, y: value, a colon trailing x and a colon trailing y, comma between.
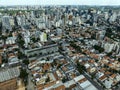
x: 7, y: 74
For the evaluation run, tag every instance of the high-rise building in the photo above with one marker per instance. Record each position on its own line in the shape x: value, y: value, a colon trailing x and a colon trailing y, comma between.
x: 43, y: 37
x: 8, y: 78
x: 6, y: 22
x: 12, y: 21
x: 21, y: 20
x: 113, y: 17
x: 106, y: 15
x: 59, y: 31
x: 108, y: 47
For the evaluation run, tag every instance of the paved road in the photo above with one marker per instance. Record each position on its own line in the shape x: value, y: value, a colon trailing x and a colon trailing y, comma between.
x: 30, y: 85
x: 93, y: 82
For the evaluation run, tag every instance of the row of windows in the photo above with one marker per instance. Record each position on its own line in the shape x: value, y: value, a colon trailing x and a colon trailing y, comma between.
x: 40, y: 53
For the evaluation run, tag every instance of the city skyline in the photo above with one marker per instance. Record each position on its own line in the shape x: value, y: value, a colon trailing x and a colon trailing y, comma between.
x: 54, y: 46
x: 59, y: 2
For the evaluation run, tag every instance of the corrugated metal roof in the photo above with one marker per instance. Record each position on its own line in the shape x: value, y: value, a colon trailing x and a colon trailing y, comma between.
x: 8, y: 74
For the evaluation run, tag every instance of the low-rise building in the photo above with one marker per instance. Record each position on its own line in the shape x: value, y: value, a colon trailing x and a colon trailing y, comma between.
x: 8, y: 78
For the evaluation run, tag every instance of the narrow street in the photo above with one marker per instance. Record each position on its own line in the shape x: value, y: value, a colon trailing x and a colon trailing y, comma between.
x: 88, y: 78
x: 30, y: 85
x: 93, y: 82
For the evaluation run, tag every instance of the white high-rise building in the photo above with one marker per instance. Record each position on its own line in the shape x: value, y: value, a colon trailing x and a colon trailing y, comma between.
x: 117, y: 47
x: 113, y: 17
x: 57, y: 24
x: 108, y: 47
x: 88, y: 17
x: 26, y: 35
x: 21, y: 20
x: 12, y: 21
x: 40, y: 22
x: 32, y: 14
x: 27, y: 40
x: 106, y: 15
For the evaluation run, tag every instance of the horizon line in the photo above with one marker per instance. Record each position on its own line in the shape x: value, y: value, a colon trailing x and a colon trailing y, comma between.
x: 57, y: 5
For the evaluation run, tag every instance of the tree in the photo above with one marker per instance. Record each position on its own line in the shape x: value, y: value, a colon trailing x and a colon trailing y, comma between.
x: 16, y: 49
x: 10, y: 34
x: 109, y: 54
x: 35, y: 54
x: 81, y: 68
x: 4, y: 38
x: 26, y: 62
x: 93, y: 76
x: 106, y: 66
x: 119, y: 59
x: 96, y: 60
x: 59, y: 65
x: 33, y: 39
x: 47, y: 79
x: 14, y: 28
x: 23, y: 74
x: 100, y: 49
x: 55, y: 62
x: 64, y: 79
x: 77, y: 48
x: 38, y: 39
x: 20, y: 55
x: 7, y: 31
x: 20, y: 40
x: 4, y: 60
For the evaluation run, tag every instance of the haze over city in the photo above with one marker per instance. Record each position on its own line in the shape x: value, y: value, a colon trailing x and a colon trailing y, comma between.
x: 59, y: 2
x: 59, y: 44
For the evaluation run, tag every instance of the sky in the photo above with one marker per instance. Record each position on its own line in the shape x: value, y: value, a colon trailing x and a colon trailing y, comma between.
x: 59, y: 2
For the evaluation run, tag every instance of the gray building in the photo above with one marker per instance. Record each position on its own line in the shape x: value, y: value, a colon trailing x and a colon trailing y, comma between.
x: 41, y: 51
x: 10, y: 73
x: 6, y: 22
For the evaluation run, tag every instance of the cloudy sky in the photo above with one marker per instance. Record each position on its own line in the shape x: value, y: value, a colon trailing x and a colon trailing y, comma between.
x: 59, y: 2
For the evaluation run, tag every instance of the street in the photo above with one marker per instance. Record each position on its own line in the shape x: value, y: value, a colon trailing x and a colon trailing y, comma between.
x: 88, y: 78
x: 30, y: 85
